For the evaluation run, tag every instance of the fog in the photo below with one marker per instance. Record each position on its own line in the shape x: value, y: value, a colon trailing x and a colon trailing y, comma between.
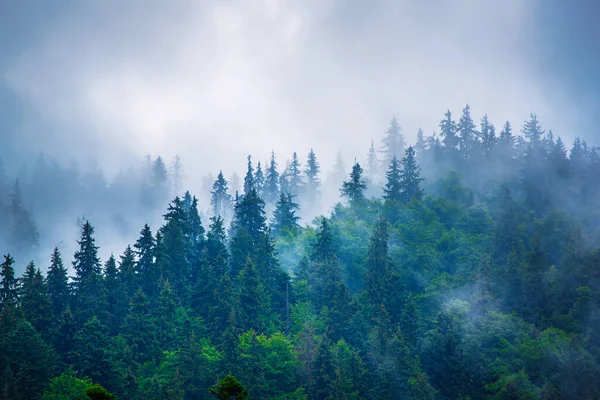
x: 102, y: 84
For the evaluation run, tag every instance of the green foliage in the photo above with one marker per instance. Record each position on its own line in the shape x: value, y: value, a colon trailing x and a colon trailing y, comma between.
x: 229, y: 388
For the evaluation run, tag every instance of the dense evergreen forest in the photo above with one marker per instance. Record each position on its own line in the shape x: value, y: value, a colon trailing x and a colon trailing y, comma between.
x: 464, y: 266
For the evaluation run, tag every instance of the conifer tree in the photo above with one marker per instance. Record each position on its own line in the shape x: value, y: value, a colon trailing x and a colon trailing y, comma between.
x: 34, y: 300
x: 220, y: 199
x: 252, y: 300
x: 65, y: 332
x: 532, y: 130
x: 87, y: 282
x: 311, y: 172
x: 58, y: 284
x: 467, y: 140
x: 323, y: 248
x: 116, y: 295
x: 146, y: 268
x: 393, y: 188
x: 448, y: 131
x: 249, y: 178
x: 138, y: 328
x: 379, y: 280
x: 372, y: 163
x: 410, y: 178
x: 420, y: 145
x: 259, y: 180
x: 175, y: 246
x: 271, y: 189
x: 126, y: 274
x: 354, y: 188
x: 178, y: 174
x: 296, y: 181
x: 229, y: 388
x: 284, y: 216
x: 338, y: 172
x: 393, y: 142
x: 488, y: 136
x: 506, y: 140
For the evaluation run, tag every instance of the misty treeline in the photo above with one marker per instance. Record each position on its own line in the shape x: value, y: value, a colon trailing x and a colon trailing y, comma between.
x: 462, y: 267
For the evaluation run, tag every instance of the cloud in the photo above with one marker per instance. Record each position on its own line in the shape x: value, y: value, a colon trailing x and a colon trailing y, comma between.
x: 215, y: 80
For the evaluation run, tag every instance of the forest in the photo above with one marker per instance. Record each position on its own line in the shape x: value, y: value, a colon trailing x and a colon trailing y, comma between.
x: 462, y: 266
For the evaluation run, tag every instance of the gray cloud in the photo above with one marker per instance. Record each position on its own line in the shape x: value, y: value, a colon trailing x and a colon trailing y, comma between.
x: 215, y: 80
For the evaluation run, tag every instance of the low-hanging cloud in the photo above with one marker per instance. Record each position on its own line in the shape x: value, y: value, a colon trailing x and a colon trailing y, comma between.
x: 216, y: 80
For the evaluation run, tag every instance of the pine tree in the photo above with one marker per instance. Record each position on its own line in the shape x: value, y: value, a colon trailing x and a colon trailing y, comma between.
x: 354, y: 188
x: 410, y: 179
x: 284, y: 216
x: 324, y: 372
x: 34, y: 300
x: 58, y: 283
x: 467, y: 134
x: 311, y: 172
x: 259, y: 180
x: 249, y: 178
x: 220, y: 199
x: 393, y: 142
x: 87, y: 283
x: 506, y: 141
x: 296, y: 181
x: 448, y: 131
x: 271, y: 189
x: 393, y: 187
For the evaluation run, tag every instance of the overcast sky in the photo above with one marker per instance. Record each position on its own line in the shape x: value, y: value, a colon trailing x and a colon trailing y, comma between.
x: 216, y: 80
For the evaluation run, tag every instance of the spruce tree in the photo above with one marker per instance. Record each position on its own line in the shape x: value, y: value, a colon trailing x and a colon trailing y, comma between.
x: 296, y: 181
x: 252, y: 300
x: 420, y: 145
x: 372, y: 163
x: 393, y: 142
x: 271, y: 189
x: 34, y: 300
x: 488, y: 137
x: 284, y: 216
x: 87, y: 282
x: 138, y: 327
x: 467, y: 140
x: 116, y: 295
x: 249, y: 178
x: 379, y: 280
x: 126, y: 273
x: 146, y: 268
x: 532, y: 130
x: 259, y: 179
x: 410, y: 178
x: 58, y: 284
x: 354, y: 188
x: 175, y: 246
x: 311, y: 172
x: 220, y: 199
x: 229, y: 388
x: 448, y: 131
x: 392, y: 191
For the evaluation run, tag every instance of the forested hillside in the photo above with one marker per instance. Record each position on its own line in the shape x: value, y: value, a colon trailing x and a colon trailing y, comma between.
x: 465, y: 266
